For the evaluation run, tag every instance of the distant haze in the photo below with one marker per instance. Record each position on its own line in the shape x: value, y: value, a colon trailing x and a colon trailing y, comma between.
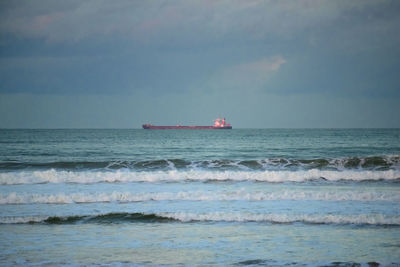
x: 260, y: 64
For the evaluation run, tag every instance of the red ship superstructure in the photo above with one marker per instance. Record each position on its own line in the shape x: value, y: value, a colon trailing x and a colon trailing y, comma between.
x: 218, y: 124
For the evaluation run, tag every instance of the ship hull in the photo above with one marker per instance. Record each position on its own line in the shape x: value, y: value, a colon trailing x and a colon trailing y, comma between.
x: 152, y: 127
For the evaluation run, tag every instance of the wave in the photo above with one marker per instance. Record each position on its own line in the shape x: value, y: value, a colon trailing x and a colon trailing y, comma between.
x: 89, y: 177
x: 127, y: 197
x: 102, y: 218
x: 363, y: 219
x: 269, y: 262
x: 364, y: 163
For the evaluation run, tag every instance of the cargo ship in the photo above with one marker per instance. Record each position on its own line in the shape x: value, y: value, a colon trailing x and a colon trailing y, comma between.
x: 218, y: 124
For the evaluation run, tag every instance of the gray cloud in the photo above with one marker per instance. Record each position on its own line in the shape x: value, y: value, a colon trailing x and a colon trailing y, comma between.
x: 198, y: 51
x: 194, y: 21
x: 250, y: 75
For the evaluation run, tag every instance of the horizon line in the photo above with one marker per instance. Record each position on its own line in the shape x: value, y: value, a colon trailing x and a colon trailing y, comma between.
x: 244, y: 128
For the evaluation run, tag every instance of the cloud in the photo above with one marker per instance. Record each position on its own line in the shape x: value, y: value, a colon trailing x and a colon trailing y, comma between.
x: 247, y: 75
x: 181, y: 22
x: 162, y: 46
x: 260, y: 67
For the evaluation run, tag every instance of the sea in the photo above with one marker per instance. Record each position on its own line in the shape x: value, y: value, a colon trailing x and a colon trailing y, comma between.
x: 241, y: 197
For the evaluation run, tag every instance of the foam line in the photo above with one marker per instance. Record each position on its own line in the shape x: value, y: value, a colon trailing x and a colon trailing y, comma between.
x: 125, y: 197
x: 88, y: 177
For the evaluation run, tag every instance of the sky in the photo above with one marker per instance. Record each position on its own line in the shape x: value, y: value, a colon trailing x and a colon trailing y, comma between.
x: 260, y: 64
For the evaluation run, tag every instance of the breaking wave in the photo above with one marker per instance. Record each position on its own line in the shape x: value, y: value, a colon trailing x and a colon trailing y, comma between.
x: 364, y: 219
x: 362, y: 163
x: 126, y: 197
x: 89, y: 177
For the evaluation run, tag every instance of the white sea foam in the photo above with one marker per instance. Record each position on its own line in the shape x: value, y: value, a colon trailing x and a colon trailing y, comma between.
x: 372, y: 219
x: 125, y: 197
x: 58, y: 176
x: 22, y: 219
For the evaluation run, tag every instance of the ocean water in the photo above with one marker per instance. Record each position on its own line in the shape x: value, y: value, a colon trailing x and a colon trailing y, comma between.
x: 241, y: 197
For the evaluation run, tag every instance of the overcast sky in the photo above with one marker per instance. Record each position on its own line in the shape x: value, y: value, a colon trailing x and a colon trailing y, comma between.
x: 261, y: 64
